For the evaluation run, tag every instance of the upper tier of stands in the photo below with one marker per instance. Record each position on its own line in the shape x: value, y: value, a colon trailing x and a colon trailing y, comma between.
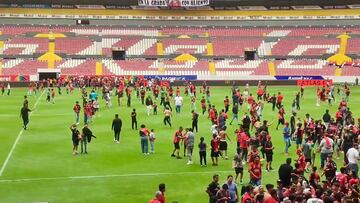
x: 23, y: 44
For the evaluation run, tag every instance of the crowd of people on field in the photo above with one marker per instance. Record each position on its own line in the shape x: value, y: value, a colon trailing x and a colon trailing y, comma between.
x: 328, y: 135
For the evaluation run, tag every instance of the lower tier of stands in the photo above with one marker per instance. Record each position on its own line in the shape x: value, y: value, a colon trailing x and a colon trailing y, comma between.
x: 171, y: 67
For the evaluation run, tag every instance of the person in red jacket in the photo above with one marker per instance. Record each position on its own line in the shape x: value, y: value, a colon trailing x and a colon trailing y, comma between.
x: 279, y: 100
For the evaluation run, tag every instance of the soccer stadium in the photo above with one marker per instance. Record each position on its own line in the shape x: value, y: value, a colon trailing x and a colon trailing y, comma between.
x: 179, y: 101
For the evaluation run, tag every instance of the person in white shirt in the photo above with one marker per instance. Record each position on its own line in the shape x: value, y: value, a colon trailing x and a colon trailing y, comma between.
x: 178, y: 103
x: 353, y: 158
x: 8, y: 89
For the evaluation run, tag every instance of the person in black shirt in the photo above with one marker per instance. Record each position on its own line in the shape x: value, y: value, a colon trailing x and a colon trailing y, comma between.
x: 26, y: 101
x: 133, y: 119
x: 246, y: 122
x: 213, y: 188
x: 273, y: 102
x: 24, y: 114
x: 292, y: 124
x: 116, y: 127
x: 265, y: 126
x: 297, y: 100
x: 330, y: 169
x: 285, y: 171
x: 75, y: 138
x: 86, y: 136
x: 326, y: 118
x: 195, y: 117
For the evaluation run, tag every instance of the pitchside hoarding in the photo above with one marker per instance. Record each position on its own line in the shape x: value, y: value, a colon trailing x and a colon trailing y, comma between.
x: 173, y: 3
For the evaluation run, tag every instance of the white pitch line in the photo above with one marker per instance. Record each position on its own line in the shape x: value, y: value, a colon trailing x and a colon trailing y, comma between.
x: 37, y: 115
x: 110, y: 176
x: 17, y: 139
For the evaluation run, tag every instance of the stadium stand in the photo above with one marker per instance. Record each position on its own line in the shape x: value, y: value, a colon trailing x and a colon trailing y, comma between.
x: 221, y: 48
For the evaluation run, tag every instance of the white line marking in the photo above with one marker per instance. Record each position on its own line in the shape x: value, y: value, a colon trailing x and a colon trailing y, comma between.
x: 18, y: 138
x: 110, y: 176
x: 37, y: 115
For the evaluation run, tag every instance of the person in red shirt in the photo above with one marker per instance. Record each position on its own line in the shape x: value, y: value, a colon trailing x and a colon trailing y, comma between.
x: 171, y: 92
x: 177, y: 138
x: 301, y: 160
x: 212, y: 114
x: 77, y: 109
x: 214, y: 150
x: 203, y: 105
x: 128, y: 94
x: 339, y: 116
x: 281, y: 117
x: 255, y: 172
x: 254, y: 153
x: 314, y: 177
x: 144, y: 139
x: 279, y: 100
x: 246, y: 198
x: 250, y: 101
x: 162, y: 190
x: 157, y: 198
x: 342, y: 178
x: 226, y: 104
x: 120, y: 91
x: 260, y: 93
x: 88, y: 111
x: 244, y: 144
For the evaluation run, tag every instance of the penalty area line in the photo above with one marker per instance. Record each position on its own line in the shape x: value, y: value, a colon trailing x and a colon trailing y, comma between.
x: 109, y: 176
x: 17, y: 139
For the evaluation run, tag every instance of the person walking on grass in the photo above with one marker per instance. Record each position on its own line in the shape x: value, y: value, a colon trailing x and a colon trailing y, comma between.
x: 149, y: 105
x: 202, y: 151
x: 235, y: 111
x: 24, y: 114
x: 238, y: 166
x: 214, y: 150
x: 178, y: 103
x: 116, y: 127
x: 195, y: 119
x: 8, y: 89
x: 213, y: 189
x: 167, y: 118
x: 144, y: 134
x: 134, y: 119
x: 269, y: 153
x: 177, y: 138
x: 86, y: 135
x: 287, y: 138
x: 232, y: 188
x: 190, y: 140
x: 152, y: 138
x: 75, y: 136
x: 76, y: 110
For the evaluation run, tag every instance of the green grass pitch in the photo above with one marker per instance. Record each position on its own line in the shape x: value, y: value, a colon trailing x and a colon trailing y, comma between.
x: 42, y: 168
